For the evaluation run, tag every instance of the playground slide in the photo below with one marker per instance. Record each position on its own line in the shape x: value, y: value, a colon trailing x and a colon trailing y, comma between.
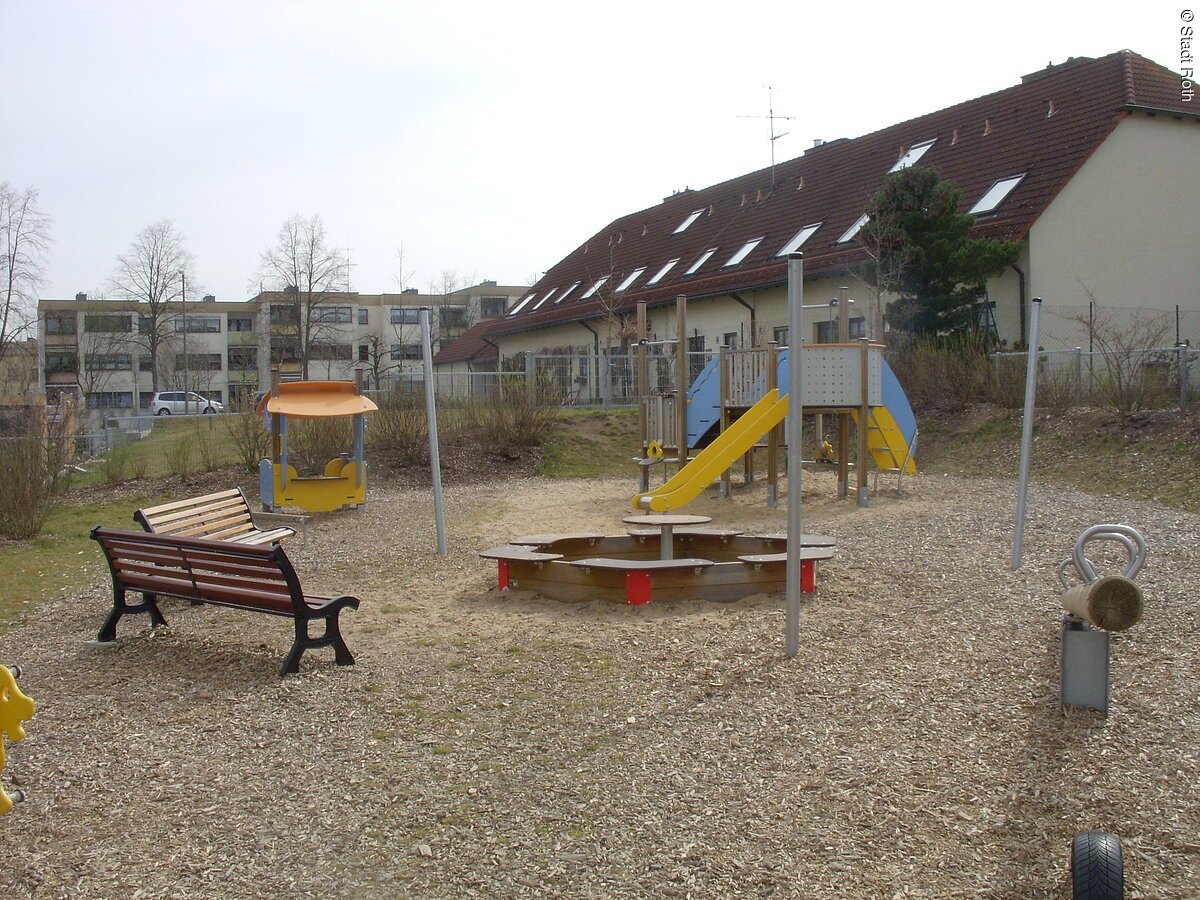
x: 718, y: 456
x: 892, y: 428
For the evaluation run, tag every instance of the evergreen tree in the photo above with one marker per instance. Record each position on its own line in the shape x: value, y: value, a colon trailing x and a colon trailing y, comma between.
x: 916, y: 235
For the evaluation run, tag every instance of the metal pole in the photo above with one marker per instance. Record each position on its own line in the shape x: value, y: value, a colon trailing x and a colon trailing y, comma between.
x: 187, y: 406
x: 1026, y: 430
x: 795, y: 466
x: 435, y: 459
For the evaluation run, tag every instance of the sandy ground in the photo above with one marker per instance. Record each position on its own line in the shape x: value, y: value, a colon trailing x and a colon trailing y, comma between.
x: 500, y: 745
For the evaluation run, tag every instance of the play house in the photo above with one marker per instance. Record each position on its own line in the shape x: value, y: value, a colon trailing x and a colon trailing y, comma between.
x: 344, y: 479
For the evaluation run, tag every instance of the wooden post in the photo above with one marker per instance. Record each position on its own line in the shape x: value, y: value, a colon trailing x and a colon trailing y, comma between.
x: 681, y: 374
x: 773, y: 434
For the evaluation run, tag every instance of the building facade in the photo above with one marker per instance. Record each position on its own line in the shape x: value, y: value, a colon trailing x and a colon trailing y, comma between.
x: 224, y: 351
x: 1088, y: 165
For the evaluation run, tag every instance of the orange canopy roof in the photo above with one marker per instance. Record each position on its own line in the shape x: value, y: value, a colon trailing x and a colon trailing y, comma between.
x: 316, y: 400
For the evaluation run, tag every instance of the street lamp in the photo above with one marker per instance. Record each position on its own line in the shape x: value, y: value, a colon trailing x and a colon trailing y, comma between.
x: 187, y: 402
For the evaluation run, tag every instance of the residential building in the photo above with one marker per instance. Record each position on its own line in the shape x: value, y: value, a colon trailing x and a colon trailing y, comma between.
x: 1090, y: 165
x: 226, y: 350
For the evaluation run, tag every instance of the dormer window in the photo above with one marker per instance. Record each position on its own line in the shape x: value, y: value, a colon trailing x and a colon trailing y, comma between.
x: 520, y: 306
x: 563, y: 296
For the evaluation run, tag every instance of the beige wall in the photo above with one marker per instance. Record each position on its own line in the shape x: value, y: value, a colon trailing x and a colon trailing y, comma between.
x: 1123, y: 233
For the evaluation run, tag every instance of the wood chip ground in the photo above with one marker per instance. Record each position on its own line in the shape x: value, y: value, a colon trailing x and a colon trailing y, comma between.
x: 508, y: 745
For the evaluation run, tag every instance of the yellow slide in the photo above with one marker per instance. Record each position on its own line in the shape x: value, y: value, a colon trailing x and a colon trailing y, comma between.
x: 717, y: 456
x: 886, y: 443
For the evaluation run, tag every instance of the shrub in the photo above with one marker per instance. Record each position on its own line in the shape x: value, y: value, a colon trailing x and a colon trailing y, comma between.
x: 114, y: 466
x: 518, y: 414
x: 314, y: 442
x: 940, y: 372
x: 179, y: 456
x: 30, y: 460
x: 400, y: 430
x: 248, y: 434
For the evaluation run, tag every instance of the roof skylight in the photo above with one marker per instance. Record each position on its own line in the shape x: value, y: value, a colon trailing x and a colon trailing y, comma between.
x: 564, y: 294
x: 520, y: 306
x: 995, y: 195
x: 853, y: 229
x: 595, y: 287
x: 743, y: 253
x: 701, y: 261
x: 915, y: 152
x: 687, y: 223
x: 658, y: 276
x: 547, y: 296
x: 798, y: 240
x: 629, y: 279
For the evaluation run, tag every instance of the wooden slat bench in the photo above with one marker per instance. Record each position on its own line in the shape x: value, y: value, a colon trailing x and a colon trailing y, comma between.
x: 808, y: 563
x: 638, y: 572
x: 223, y: 516
x: 242, y: 576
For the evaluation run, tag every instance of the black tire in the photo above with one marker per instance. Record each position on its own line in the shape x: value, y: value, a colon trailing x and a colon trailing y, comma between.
x: 1097, y: 866
x: 208, y: 410
x: 163, y: 412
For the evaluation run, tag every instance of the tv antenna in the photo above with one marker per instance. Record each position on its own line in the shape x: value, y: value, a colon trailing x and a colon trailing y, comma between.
x: 771, y: 117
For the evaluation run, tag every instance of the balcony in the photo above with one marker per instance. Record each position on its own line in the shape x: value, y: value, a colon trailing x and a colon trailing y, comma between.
x: 242, y: 339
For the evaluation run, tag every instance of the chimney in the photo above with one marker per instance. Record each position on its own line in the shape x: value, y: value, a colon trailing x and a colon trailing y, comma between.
x: 209, y: 298
x: 81, y: 297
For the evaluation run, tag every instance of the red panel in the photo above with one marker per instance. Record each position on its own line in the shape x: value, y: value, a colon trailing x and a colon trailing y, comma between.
x: 808, y: 576
x: 637, y: 587
x: 503, y: 564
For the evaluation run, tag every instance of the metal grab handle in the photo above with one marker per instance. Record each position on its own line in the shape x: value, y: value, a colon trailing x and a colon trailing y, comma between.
x: 1130, y: 538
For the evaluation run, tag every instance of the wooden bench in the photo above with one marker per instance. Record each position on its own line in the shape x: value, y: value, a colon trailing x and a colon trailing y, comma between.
x: 808, y: 563
x: 242, y: 576
x: 223, y: 516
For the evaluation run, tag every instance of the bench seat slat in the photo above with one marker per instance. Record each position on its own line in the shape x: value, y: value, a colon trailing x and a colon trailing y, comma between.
x: 263, y: 537
x: 195, y: 512
x: 192, y: 501
x: 641, y: 565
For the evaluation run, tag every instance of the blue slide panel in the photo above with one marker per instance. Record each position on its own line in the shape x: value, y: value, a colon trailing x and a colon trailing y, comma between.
x: 704, y: 401
x: 896, y: 402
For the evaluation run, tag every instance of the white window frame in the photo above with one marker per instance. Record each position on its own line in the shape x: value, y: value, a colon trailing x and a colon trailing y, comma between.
x: 563, y: 296
x: 595, y: 287
x: 998, y: 193
x: 746, y: 249
x: 688, y: 222
x: 630, y: 279
x: 658, y: 276
x: 704, y: 257
x: 520, y: 306
x: 912, y: 155
x: 798, y: 239
x: 853, y: 229
x: 548, y: 295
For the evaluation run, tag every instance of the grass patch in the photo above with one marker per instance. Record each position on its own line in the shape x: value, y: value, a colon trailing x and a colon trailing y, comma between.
x: 592, y: 443
x: 63, y: 556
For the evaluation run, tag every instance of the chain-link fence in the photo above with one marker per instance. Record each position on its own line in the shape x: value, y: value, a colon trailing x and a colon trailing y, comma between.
x: 1129, y: 379
x: 1096, y: 328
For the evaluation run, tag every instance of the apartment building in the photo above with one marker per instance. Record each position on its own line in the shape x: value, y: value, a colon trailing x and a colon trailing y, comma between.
x: 101, y: 348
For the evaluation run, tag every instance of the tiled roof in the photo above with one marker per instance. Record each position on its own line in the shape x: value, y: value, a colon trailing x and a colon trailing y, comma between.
x: 1045, y: 127
x: 469, y: 346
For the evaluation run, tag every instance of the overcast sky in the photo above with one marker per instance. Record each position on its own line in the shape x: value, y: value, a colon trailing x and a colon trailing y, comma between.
x: 487, y: 139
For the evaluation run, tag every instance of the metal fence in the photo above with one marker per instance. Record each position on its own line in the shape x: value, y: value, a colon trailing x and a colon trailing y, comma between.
x: 1159, y: 376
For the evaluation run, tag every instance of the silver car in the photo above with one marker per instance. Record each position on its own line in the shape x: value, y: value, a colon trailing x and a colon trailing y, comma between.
x: 166, y: 403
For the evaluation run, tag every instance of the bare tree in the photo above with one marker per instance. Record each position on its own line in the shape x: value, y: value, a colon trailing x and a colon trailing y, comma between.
x: 308, y: 270
x: 155, y: 272
x: 24, y: 236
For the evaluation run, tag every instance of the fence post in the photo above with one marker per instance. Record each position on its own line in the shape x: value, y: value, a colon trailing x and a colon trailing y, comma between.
x: 530, y: 372
x: 1078, y: 374
x: 1183, y: 376
x: 605, y: 380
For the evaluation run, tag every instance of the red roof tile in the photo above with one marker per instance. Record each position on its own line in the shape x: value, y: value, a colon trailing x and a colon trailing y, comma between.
x: 1046, y: 127
x: 469, y: 346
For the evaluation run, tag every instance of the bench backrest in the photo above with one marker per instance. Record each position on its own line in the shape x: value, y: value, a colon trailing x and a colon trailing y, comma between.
x: 221, y: 516
x: 201, y: 569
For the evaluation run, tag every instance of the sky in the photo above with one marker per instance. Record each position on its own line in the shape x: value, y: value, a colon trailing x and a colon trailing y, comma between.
x: 475, y: 140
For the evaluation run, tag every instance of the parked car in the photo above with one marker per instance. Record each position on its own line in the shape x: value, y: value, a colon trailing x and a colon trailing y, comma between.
x: 166, y: 403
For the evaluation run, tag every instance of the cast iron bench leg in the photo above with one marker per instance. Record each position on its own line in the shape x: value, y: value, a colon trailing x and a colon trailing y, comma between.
x: 108, y: 631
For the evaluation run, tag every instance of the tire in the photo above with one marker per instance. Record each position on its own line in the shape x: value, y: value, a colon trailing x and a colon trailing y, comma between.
x: 208, y: 410
x: 1097, y: 866
x: 163, y: 412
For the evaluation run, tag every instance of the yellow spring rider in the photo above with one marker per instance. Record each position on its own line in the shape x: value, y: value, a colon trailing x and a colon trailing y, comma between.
x: 15, y: 708
x: 344, y: 481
